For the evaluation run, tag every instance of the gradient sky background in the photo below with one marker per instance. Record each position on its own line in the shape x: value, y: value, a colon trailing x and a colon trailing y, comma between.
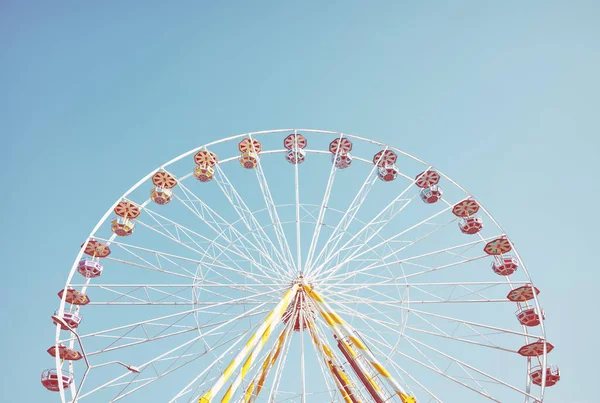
x: 502, y: 96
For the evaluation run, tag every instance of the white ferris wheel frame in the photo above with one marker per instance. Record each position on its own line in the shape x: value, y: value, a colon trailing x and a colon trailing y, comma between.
x: 286, y: 258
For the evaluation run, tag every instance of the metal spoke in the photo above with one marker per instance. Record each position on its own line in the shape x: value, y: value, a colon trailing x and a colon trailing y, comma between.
x: 299, y: 269
x: 340, y: 229
x: 331, y: 271
x: 322, y: 210
x: 353, y: 246
x: 272, y: 209
x: 408, y: 260
x: 247, y: 217
x: 218, y: 224
x: 191, y: 235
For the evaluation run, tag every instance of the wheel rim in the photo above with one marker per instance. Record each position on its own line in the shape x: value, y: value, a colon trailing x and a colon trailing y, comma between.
x: 354, y: 238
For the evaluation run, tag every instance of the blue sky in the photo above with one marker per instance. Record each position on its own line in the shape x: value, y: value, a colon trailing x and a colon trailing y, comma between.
x: 503, y: 97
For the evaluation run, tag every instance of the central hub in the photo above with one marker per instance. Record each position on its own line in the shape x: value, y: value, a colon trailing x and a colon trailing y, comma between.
x: 301, y: 309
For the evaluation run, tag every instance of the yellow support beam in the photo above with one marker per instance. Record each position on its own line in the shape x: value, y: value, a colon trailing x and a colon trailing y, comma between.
x: 337, y: 324
x: 258, y: 382
x: 273, y: 317
x: 342, y: 381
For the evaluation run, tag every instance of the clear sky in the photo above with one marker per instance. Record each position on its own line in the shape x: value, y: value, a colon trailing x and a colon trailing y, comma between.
x: 502, y: 96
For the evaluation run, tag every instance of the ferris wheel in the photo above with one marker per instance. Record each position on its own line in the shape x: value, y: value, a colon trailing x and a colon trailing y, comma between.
x: 298, y: 265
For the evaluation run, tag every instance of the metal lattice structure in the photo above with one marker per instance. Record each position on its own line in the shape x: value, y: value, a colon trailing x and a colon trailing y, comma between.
x: 262, y: 273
